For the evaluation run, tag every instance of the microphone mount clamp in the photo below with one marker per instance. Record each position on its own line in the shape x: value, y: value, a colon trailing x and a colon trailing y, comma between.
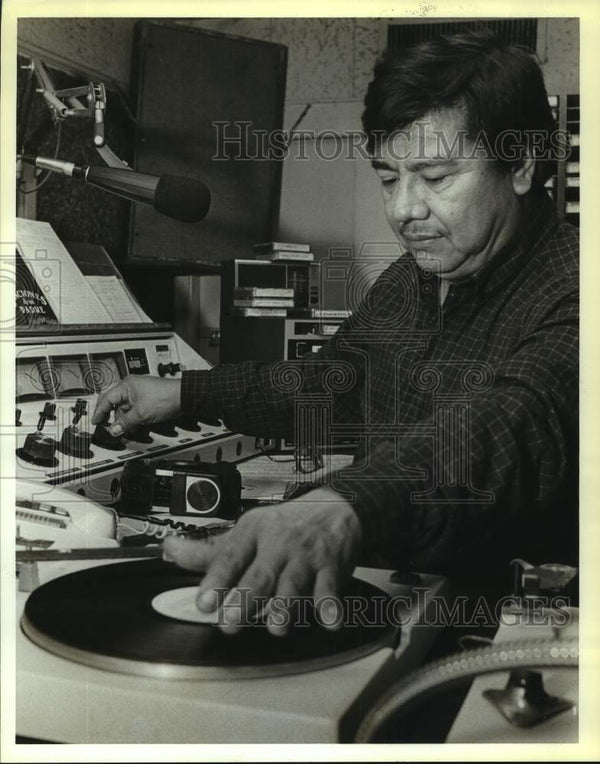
x: 66, y: 103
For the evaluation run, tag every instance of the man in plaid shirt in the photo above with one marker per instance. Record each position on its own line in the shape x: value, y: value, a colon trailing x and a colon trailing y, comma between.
x: 458, y: 373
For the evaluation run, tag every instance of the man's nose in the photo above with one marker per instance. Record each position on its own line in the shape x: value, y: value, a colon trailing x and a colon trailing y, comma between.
x: 407, y: 202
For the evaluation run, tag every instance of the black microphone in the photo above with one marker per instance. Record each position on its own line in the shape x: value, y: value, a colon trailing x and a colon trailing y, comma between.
x: 181, y: 198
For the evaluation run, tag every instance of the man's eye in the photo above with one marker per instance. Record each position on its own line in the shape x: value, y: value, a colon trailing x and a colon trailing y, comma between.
x: 436, y: 180
x: 388, y: 182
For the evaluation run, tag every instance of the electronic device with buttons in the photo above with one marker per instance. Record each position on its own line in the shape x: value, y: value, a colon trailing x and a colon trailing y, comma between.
x: 182, y: 486
x: 58, y: 381
x: 303, y: 278
x: 65, y: 360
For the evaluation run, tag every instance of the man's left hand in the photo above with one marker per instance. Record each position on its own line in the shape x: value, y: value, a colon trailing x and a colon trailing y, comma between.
x: 304, y: 547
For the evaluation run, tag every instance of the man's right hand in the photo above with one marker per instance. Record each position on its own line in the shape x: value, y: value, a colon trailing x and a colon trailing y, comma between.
x: 139, y: 400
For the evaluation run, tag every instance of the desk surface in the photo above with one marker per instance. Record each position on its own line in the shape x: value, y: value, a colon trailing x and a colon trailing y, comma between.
x: 270, y: 478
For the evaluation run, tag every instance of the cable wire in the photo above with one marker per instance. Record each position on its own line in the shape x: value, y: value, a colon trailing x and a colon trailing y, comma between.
x: 48, y: 172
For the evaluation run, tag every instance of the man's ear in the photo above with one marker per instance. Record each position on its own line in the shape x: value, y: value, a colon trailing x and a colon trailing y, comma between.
x: 522, y: 176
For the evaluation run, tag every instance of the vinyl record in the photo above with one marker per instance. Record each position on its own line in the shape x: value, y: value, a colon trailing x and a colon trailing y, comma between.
x: 103, y: 617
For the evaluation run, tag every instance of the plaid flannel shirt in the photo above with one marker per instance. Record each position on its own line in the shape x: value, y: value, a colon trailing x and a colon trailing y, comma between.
x: 466, y: 413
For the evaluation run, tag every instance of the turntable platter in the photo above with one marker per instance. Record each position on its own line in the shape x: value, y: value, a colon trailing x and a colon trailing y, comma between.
x: 103, y: 617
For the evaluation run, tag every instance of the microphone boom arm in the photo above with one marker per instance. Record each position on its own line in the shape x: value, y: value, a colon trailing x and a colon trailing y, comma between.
x: 183, y: 199
x: 95, y: 95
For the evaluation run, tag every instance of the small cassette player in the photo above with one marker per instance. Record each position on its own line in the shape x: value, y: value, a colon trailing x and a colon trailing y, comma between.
x: 185, y: 487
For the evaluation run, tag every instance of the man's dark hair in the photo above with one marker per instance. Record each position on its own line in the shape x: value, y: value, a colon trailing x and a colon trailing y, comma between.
x: 498, y: 83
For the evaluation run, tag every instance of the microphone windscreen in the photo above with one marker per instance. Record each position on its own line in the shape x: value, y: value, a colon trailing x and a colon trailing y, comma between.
x: 182, y: 198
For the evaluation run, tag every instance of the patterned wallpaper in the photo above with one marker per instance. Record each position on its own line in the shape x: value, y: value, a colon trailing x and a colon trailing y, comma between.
x: 558, y: 49
x: 330, y: 59
x: 100, y: 46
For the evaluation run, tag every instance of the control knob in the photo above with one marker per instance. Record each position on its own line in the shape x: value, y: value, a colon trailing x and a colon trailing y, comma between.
x: 76, y: 442
x: 39, y: 448
x: 141, y: 434
x: 167, y: 429
x: 188, y: 423
x: 168, y: 368
x: 103, y: 439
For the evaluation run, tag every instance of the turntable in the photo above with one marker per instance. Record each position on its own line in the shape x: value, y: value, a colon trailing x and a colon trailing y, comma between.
x: 98, y: 662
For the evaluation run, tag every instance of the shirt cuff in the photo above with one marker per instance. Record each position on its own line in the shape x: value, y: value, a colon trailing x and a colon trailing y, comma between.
x: 196, y: 398
x: 385, y: 525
